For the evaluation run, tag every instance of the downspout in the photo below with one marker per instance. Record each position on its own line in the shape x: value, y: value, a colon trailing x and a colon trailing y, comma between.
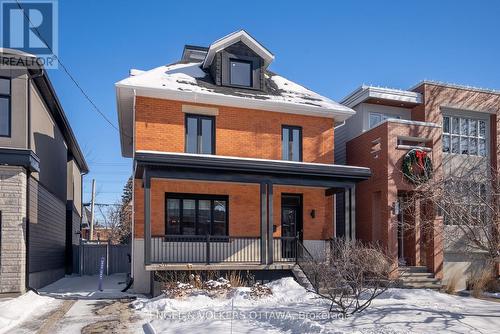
x: 28, y: 177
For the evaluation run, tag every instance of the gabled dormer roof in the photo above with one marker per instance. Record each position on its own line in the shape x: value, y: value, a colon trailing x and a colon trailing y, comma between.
x: 233, y: 38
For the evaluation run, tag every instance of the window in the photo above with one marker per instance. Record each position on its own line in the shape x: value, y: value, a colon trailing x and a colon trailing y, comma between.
x: 5, y: 112
x: 464, y: 136
x: 190, y: 214
x: 200, y: 134
x: 467, y: 204
x: 376, y: 118
x: 291, y: 142
x: 240, y: 73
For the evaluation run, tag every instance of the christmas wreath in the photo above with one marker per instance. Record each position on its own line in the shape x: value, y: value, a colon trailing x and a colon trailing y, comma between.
x: 417, y: 166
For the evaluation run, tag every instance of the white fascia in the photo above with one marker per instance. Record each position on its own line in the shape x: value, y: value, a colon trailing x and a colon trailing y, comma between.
x: 235, y: 37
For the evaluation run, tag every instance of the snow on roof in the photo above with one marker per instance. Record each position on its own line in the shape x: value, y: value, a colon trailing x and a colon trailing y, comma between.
x: 189, y: 77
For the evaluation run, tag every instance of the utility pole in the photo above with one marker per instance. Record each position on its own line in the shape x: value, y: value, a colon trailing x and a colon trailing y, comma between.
x: 92, y: 202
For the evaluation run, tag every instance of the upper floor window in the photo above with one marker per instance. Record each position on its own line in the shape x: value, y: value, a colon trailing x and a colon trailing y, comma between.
x: 5, y: 102
x: 291, y: 142
x: 241, y: 72
x: 200, y: 134
x: 376, y: 118
x: 464, y: 136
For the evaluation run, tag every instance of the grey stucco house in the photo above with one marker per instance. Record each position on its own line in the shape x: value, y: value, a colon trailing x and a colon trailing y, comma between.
x: 41, y: 170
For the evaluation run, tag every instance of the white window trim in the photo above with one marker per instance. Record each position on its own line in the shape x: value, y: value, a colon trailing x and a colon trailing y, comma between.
x: 469, y: 117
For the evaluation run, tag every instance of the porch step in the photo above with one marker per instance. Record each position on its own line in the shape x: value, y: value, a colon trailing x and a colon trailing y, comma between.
x: 413, y: 269
x: 302, y: 278
x: 418, y: 277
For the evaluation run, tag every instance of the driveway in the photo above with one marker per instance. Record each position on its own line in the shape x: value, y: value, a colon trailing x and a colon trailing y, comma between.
x: 75, y: 305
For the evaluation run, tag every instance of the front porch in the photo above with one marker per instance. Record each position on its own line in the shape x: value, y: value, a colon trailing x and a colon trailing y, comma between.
x: 264, y: 230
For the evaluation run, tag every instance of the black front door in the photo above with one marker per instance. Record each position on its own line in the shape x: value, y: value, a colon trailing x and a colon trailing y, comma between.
x: 291, y: 223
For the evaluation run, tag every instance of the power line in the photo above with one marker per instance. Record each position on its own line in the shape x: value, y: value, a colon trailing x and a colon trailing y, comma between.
x: 96, y: 108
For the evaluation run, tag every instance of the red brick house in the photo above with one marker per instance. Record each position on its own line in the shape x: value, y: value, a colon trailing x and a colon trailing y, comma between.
x: 234, y: 165
x: 449, y: 123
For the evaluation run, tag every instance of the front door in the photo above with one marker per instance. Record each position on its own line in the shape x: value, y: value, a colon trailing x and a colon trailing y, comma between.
x: 291, y: 223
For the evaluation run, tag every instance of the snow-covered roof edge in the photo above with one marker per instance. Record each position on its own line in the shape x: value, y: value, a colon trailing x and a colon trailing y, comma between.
x: 365, y: 92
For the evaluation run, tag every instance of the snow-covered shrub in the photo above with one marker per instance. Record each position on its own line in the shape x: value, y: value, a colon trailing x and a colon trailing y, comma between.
x: 258, y: 291
x: 220, y: 284
x: 177, y: 289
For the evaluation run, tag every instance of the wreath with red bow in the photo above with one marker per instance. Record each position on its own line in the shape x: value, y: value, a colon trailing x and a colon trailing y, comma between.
x: 417, y: 166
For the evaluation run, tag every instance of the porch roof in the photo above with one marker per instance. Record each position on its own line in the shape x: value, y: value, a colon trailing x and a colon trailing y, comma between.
x: 194, y: 166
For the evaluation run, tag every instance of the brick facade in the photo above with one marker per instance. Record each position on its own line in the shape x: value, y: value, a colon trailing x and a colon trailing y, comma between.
x: 249, y: 133
x: 244, y: 207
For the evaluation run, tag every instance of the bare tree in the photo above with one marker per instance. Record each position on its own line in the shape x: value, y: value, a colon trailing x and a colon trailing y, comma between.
x: 466, y: 192
x: 351, y: 276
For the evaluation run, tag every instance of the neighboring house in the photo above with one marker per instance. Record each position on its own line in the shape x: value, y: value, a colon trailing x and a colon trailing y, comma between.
x: 231, y: 163
x: 101, y: 233
x: 390, y: 122
x: 40, y: 180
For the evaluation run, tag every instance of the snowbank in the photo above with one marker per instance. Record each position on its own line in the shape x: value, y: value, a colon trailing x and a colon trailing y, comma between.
x: 13, y: 311
x: 291, y: 309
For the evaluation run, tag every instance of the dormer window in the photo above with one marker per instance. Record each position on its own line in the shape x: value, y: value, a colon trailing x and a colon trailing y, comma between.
x: 241, y: 72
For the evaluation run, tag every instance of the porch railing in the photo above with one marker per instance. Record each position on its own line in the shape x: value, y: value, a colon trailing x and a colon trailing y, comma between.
x: 205, y: 249
x: 285, y: 249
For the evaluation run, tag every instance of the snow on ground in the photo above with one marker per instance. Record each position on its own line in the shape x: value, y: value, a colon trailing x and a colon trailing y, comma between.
x: 13, y: 311
x: 293, y: 310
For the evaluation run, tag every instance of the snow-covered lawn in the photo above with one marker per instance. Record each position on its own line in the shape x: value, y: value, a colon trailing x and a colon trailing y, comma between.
x: 290, y: 309
x: 293, y: 310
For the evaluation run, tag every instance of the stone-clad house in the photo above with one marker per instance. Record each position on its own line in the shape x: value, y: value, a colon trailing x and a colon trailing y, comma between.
x: 41, y: 170
x: 450, y: 123
x: 233, y: 164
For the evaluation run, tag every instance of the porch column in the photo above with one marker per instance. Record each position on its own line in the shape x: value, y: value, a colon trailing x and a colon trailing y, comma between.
x: 147, y: 218
x: 263, y: 223
x: 352, y: 206
x: 350, y: 212
x: 270, y: 223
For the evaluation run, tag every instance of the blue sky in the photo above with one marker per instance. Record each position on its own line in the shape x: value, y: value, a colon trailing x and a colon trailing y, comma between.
x: 331, y: 47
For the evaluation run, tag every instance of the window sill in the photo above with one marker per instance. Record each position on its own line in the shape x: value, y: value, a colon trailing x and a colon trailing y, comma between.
x: 411, y: 147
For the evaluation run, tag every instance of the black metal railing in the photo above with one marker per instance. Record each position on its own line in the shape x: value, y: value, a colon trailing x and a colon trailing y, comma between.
x: 205, y: 249
x: 308, y: 264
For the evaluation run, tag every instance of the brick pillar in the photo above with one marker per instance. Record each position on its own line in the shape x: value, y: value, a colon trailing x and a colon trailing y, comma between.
x: 390, y: 237
x: 411, y: 233
x: 434, y: 241
x: 12, y: 229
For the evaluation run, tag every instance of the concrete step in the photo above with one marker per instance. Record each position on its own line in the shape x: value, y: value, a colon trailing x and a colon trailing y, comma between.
x: 414, y: 269
x: 424, y: 275
x: 420, y: 285
x: 301, y: 278
x: 420, y: 280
